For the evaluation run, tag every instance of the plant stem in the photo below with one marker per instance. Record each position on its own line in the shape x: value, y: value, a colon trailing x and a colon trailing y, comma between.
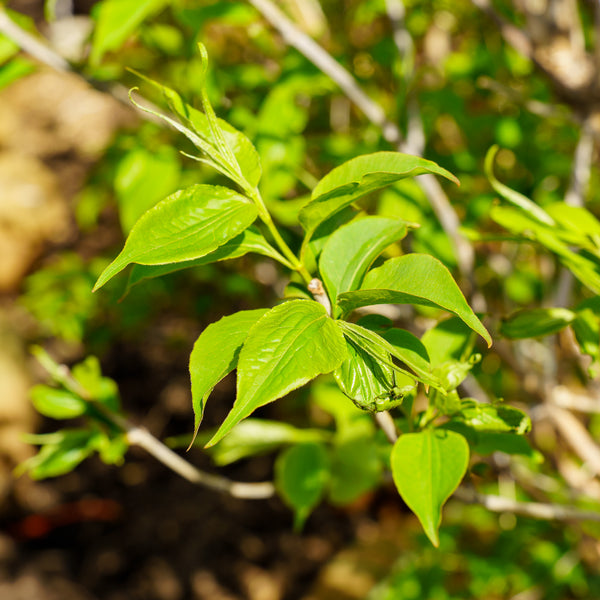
x: 265, y: 215
x: 139, y: 436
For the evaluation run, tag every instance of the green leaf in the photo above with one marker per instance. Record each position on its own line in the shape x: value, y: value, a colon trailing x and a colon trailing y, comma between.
x: 116, y: 20
x: 351, y: 250
x: 250, y: 240
x: 88, y: 374
x: 493, y: 417
x: 198, y: 130
x: 585, y: 267
x: 378, y: 346
x: 359, y: 176
x: 215, y: 354
x: 409, y: 349
x: 449, y: 339
x: 111, y: 449
x: 61, y: 452
x: 525, y: 204
x: 189, y: 224
x: 290, y: 345
x: 301, y: 474
x: 586, y: 327
x: 356, y: 468
x: 427, y: 467
x: 142, y: 179
x: 370, y: 381
x: 258, y: 436
x: 536, y: 322
x: 577, y: 219
x: 413, y: 279
x: 57, y: 403
x: 489, y: 442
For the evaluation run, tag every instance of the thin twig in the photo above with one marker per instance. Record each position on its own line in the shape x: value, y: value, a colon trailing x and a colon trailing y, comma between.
x: 582, y: 166
x: 535, y: 107
x: 536, y: 510
x: 513, y: 35
x: 296, y: 38
x: 141, y: 437
x: 565, y: 398
x: 315, y: 287
x: 576, y: 435
x: 30, y: 44
x: 385, y: 421
x: 375, y: 113
x: 47, y: 56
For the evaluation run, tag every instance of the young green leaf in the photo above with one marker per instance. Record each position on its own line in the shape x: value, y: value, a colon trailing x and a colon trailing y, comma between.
x: 198, y: 130
x: 413, y: 279
x: 427, y: 467
x: 208, y: 366
x: 301, y: 474
x: 536, y: 322
x: 359, y: 176
x: 290, y: 345
x: 250, y: 240
x: 525, y: 204
x: 356, y: 468
x: 143, y: 178
x: 88, y: 374
x: 351, y: 250
x: 586, y: 327
x: 409, y: 349
x: 60, y: 453
x: 57, y: 403
x: 251, y: 437
x: 497, y: 418
x: 189, y: 224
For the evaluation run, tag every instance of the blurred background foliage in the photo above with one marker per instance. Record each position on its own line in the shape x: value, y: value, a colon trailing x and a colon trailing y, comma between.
x: 78, y: 166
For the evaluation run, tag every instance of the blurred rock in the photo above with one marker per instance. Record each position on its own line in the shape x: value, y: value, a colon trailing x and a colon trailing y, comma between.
x: 32, y: 211
x: 48, y: 113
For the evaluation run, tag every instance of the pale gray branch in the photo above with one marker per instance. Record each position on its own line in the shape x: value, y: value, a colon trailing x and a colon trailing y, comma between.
x: 576, y: 435
x: 30, y: 44
x: 296, y: 38
x: 47, y: 56
x: 565, y: 398
x: 373, y: 111
x: 536, y: 510
x: 513, y: 35
x: 385, y: 421
x: 582, y: 166
x: 141, y: 437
